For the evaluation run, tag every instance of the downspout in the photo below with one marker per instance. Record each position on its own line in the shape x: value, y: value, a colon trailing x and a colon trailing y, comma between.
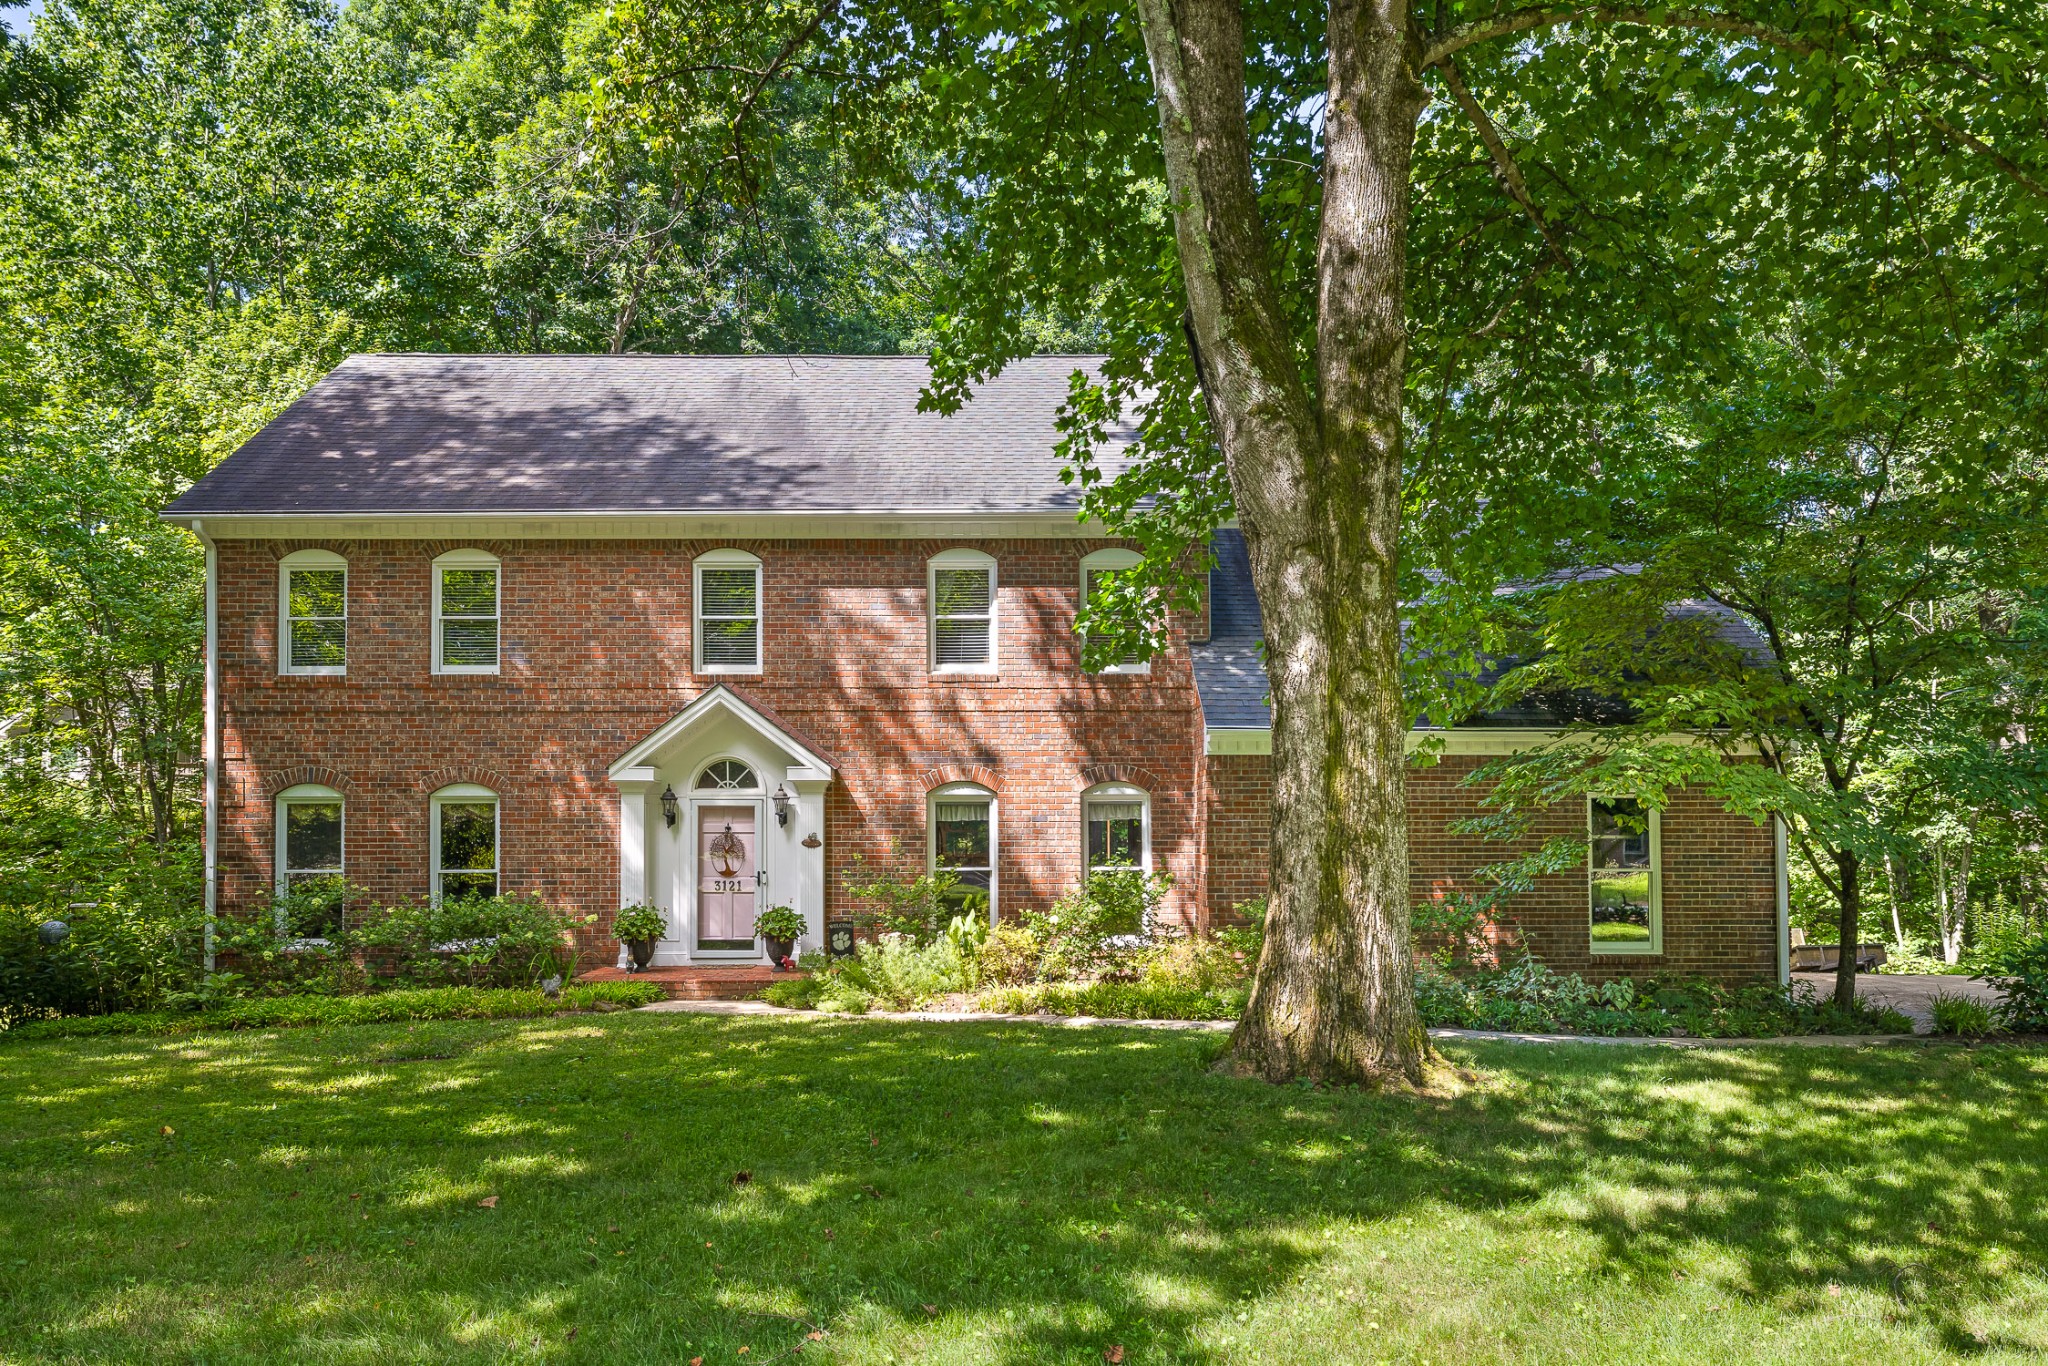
x: 1784, y: 881
x: 211, y: 750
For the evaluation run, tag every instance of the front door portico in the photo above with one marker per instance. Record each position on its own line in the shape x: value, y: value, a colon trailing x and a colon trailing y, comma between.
x: 748, y: 798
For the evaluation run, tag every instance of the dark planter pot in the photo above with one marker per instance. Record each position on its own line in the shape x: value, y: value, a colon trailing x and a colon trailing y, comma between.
x: 779, y: 949
x: 642, y: 951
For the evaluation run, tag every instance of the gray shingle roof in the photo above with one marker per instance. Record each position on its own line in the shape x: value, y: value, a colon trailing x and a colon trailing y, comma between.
x: 1230, y: 678
x: 651, y: 434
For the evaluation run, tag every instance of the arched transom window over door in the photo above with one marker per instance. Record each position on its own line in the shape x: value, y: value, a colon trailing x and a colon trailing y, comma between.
x: 727, y: 775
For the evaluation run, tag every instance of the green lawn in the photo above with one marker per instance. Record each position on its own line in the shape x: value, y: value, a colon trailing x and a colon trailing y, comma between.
x: 1003, y: 1193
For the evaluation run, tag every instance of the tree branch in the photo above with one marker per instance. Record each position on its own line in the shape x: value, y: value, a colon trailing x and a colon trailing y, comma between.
x: 1505, y: 171
x: 1533, y: 17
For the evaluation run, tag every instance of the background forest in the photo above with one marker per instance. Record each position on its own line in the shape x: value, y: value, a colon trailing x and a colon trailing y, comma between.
x: 207, y: 203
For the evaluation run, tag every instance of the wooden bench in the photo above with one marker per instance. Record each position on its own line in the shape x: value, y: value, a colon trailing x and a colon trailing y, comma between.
x: 1827, y: 957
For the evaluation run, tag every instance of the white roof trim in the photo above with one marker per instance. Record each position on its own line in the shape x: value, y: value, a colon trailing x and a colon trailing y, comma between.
x: 878, y: 524
x: 718, y: 698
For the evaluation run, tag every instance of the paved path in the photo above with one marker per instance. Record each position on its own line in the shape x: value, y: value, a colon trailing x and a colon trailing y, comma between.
x: 1223, y: 1026
x: 1910, y: 993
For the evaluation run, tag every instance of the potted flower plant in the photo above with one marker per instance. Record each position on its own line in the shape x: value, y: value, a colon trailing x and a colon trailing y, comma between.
x: 781, y: 926
x: 638, y: 927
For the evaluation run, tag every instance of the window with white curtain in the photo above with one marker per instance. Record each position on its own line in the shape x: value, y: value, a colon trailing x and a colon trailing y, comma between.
x: 962, y: 841
x: 312, y: 592
x: 1117, y: 828
x: 728, y: 612
x: 466, y: 593
x: 961, y: 588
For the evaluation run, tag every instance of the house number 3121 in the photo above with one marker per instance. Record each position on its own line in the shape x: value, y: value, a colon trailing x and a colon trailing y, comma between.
x: 728, y: 884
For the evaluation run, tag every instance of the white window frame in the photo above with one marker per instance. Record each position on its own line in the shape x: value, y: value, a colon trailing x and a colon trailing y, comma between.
x: 469, y: 559
x: 725, y: 559
x: 303, y: 794
x: 1119, y: 792
x: 955, y: 792
x: 308, y: 559
x: 962, y: 559
x: 1097, y: 562
x: 1656, y: 944
x: 464, y: 794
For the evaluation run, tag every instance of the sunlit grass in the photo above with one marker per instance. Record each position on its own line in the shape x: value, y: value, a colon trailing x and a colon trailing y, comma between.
x: 1003, y: 1194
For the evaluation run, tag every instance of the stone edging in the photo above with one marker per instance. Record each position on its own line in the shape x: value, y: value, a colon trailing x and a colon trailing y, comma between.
x: 1223, y: 1026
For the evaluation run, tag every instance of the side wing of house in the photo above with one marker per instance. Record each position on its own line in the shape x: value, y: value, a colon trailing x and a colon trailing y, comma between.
x: 1699, y: 893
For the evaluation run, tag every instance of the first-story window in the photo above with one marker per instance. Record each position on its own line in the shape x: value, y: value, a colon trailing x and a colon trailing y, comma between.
x: 963, y: 843
x: 466, y: 613
x: 309, y: 861
x: 1625, y: 871
x: 313, y: 604
x: 1117, y: 822
x: 465, y: 842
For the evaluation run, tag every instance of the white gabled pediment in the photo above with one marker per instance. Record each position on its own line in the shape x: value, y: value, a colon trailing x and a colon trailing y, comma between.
x: 714, y: 702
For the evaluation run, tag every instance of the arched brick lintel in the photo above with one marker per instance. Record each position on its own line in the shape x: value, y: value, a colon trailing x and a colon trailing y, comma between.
x: 433, y: 782
x: 941, y: 774
x: 278, y: 781
x: 1135, y: 774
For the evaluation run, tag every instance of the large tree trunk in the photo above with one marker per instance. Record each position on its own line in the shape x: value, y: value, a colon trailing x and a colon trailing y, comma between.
x: 1317, y: 481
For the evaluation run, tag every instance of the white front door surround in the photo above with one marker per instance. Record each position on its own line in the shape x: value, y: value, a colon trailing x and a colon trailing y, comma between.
x: 662, y: 864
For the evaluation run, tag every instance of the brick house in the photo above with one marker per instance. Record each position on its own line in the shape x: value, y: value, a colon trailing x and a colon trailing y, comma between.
x: 717, y: 633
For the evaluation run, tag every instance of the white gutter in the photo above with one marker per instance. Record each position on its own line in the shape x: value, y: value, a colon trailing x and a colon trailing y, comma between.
x: 1784, y: 880
x: 211, y: 750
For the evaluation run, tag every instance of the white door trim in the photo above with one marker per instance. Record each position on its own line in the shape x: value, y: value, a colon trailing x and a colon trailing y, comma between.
x: 686, y: 871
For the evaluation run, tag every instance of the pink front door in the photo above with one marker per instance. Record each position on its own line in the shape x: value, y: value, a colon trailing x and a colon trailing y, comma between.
x: 726, y: 884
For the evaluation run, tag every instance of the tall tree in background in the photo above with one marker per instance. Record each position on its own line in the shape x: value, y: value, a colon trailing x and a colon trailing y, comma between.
x: 1237, y: 188
x: 239, y: 192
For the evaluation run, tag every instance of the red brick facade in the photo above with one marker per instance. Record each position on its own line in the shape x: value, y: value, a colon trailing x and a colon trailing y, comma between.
x: 1719, y: 876
x: 596, y: 652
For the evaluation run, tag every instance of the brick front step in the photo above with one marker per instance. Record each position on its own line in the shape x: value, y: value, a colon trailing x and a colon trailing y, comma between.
x: 695, y: 983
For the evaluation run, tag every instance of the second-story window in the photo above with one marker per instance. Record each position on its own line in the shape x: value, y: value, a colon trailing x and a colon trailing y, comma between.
x: 728, y: 612
x: 313, y: 604
x: 1095, y: 569
x: 962, y: 593
x: 466, y: 584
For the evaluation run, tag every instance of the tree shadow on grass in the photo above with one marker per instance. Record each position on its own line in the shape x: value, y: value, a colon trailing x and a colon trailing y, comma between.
x: 678, y: 1186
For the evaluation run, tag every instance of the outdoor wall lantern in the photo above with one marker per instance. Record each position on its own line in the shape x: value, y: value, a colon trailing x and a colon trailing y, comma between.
x: 668, y: 805
x: 781, y: 800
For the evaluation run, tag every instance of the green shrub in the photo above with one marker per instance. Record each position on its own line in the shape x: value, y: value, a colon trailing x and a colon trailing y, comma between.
x: 893, y: 972
x: 1007, y: 957
x: 1960, y: 1015
x: 2020, y: 973
x: 1249, y: 938
x: 1528, y: 997
x: 285, y: 1012
x: 916, y: 906
x: 510, y: 940
x: 119, y: 955
x: 301, y: 940
x: 1079, y: 935
x: 1197, y: 963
